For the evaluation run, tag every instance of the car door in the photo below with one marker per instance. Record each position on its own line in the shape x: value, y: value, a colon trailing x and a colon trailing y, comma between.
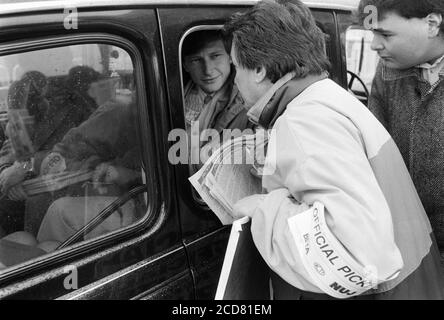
x: 119, y: 239
x: 205, y: 238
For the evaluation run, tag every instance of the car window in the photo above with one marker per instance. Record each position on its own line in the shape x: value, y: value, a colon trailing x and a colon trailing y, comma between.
x: 361, y: 60
x: 213, y: 107
x: 70, y: 160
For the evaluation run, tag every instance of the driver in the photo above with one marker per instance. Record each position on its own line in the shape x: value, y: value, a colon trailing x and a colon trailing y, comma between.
x: 116, y: 159
x: 212, y: 99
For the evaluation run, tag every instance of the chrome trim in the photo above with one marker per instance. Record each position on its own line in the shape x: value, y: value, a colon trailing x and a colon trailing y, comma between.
x: 121, y: 273
x: 34, y: 6
x: 23, y: 284
x: 95, y: 286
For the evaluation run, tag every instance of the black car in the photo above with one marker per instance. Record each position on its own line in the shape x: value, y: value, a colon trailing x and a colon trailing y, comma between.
x: 154, y: 239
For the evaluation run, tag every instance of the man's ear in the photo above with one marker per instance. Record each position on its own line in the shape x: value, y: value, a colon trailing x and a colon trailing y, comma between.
x: 434, y: 20
x: 260, y: 74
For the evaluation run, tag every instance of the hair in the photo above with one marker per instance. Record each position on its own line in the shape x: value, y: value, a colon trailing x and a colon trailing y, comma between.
x: 197, y: 40
x: 405, y: 8
x: 28, y: 92
x: 80, y: 77
x: 280, y: 36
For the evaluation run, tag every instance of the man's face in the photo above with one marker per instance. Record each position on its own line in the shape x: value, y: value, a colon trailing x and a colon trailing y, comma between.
x: 402, y: 43
x: 245, y: 81
x: 209, y: 68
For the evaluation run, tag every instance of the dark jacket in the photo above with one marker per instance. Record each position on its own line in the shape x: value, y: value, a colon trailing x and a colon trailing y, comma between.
x: 108, y: 135
x: 234, y: 114
x: 67, y: 109
x: 413, y: 114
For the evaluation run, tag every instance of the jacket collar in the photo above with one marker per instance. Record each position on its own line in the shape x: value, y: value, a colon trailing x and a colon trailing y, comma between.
x: 274, y: 102
x: 390, y: 74
x: 437, y: 63
x: 231, y: 109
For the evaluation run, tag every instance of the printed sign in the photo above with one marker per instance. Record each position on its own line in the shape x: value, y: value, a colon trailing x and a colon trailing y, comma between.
x: 329, y: 264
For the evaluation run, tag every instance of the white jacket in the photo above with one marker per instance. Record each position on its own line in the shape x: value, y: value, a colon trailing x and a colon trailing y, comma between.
x: 328, y: 147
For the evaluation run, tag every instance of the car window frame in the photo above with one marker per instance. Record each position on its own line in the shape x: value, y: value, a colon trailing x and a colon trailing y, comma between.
x: 199, y: 202
x: 360, y: 28
x: 155, y: 206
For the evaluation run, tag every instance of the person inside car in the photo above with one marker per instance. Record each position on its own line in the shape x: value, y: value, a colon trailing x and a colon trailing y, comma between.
x: 107, y: 136
x: 212, y: 100
x: 341, y: 217
x: 407, y: 94
x: 26, y: 106
x: 40, y: 115
x: 113, y: 157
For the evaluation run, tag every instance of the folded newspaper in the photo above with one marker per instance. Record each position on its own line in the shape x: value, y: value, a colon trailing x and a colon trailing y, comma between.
x: 55, y: 181
x: 231, y: 173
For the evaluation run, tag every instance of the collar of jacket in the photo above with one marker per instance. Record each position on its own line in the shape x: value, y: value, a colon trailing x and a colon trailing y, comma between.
x: 232, y: 107
x: 274, y: 102
x: 229, y: 105
x: 436, y: 64
x: 390, y: 74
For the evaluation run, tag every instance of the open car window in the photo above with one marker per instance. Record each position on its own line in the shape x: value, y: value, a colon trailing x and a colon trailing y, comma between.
x: 361, y: 60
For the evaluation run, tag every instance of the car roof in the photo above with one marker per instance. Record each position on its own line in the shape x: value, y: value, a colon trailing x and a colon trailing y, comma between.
x: 21, y: 6
x: 333, y: 4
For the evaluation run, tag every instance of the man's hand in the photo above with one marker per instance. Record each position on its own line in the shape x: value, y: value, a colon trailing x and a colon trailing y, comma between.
x: 85, y: 164
x: 247, y: 206
x: 105, y: 172
x: 11, y: 176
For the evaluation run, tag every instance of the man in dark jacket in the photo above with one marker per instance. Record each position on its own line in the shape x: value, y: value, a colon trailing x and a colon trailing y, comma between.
x: 408, y: 92
x: 40, y: 114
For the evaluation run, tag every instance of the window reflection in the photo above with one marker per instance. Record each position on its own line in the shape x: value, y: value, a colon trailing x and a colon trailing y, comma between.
x: 69, y: 149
